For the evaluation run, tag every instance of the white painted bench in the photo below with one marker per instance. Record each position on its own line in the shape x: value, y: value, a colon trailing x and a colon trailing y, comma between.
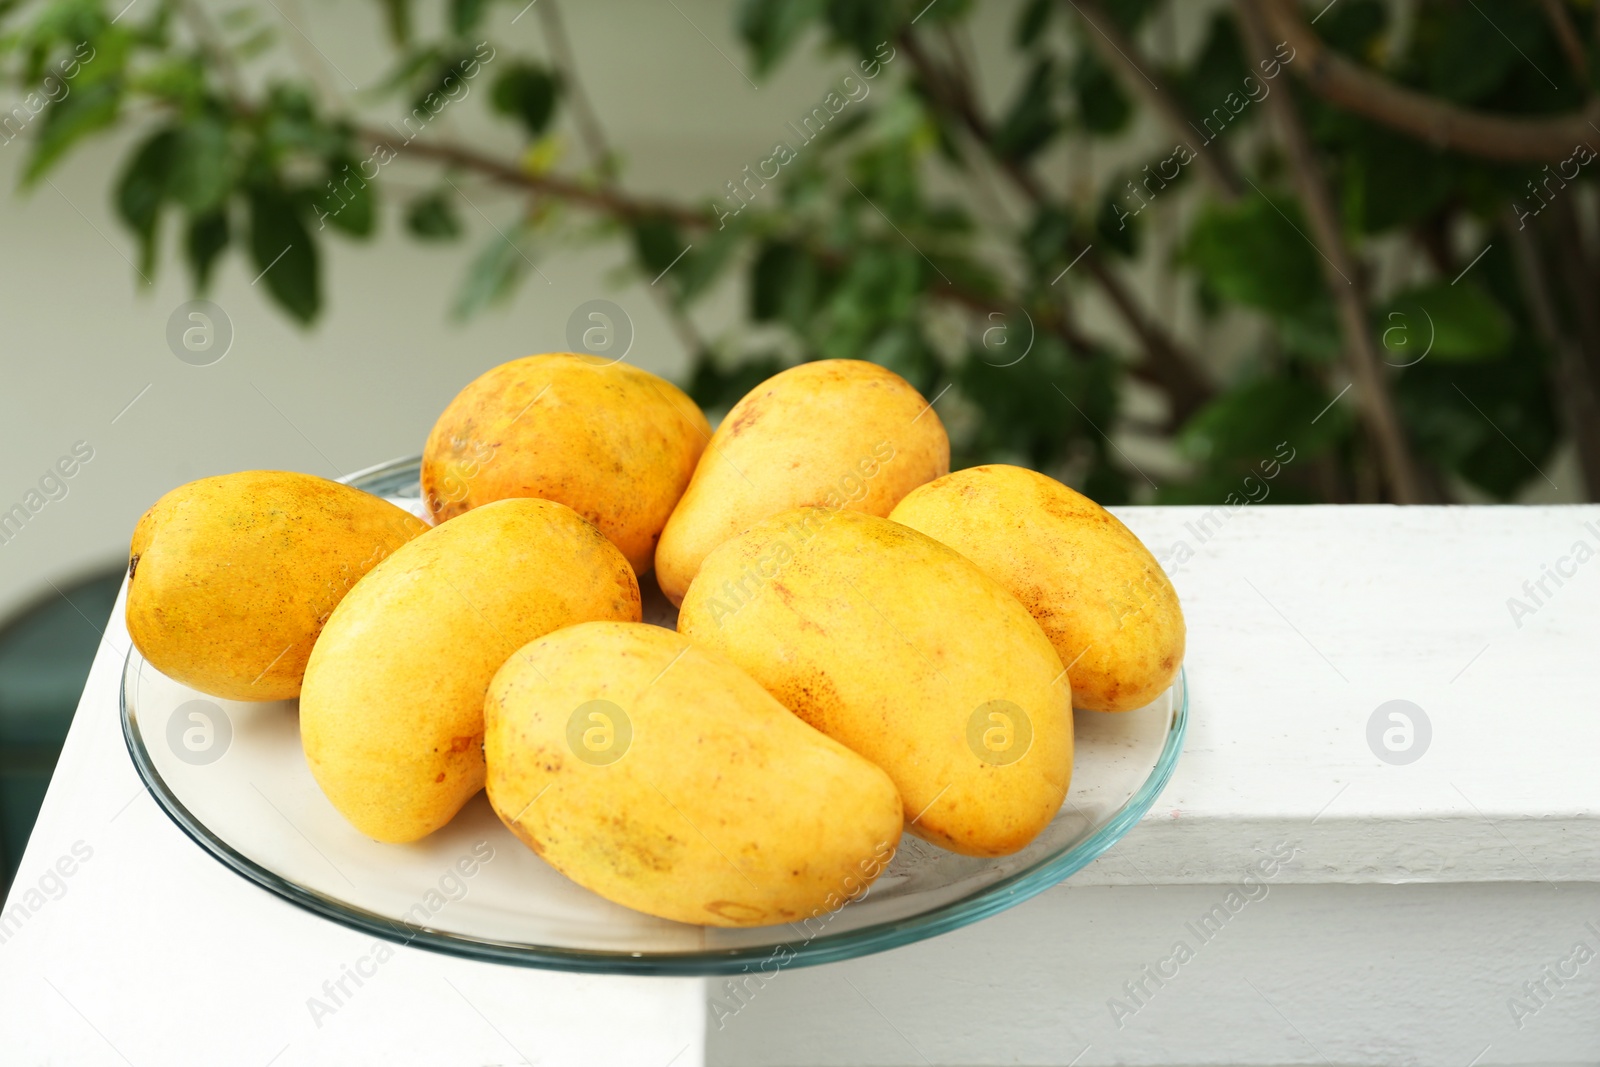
x: 1443, y: 911
x: 1439, y: 904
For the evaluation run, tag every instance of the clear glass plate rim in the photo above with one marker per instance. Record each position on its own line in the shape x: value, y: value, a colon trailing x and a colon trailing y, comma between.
x: 981, y: 904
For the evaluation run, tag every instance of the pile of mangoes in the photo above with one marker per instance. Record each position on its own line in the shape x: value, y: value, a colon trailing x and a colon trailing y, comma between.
x: 866, y: 643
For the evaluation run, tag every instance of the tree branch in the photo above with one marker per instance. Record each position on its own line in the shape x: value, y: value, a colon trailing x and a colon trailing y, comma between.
x: 1169, y: 366
x: 1509, y: 138
x: 601, y: 158
x: 624, y: 207
x: 583, y: 111
x: 607, y: 201
x: 1118, y: 52
x: 1342, y: 276
x: 1575, y: 392
x: 1567, y: 37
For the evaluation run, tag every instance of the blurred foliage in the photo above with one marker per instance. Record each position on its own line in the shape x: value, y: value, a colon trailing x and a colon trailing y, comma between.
x: 926, y: 227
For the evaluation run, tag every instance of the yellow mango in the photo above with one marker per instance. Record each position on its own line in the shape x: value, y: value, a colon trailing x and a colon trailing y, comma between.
x: 614, y: 443
x: 231, y: 578
x: 839, y: 433
x: 1097, y: 592
x: 391, y: 715
x: 662, y: 777
x: 905, y: 652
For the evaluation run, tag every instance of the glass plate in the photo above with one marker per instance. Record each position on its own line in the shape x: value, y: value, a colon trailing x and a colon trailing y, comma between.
x: 232, y: 776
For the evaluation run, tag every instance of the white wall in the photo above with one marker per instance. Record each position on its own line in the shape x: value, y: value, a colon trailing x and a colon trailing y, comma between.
x: 81, y: 337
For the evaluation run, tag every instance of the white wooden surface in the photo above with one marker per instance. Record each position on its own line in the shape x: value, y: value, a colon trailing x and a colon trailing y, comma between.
x: 1413, y: 925
x: 151, y: 954
x: 1421, y: 899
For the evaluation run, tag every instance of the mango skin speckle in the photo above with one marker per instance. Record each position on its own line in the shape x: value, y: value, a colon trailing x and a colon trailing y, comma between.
x: 1100, y: 596
x: 231, y: 578
x: 391, y: 715
x: 614, y: 443
x: 903, y: 651
x: 840, y: 433
x: 701, y: 799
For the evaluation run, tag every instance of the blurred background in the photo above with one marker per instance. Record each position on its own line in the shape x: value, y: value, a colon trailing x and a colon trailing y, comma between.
x: 1205, y: 253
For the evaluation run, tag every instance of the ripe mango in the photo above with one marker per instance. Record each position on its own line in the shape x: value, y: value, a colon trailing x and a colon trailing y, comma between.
x: 391, y: 715
x: 1100, y: 596
x: 905, y: 652
x: 840, y: 433
x: 231, y: 578
x: 614, y: 443
x: 662, y: 777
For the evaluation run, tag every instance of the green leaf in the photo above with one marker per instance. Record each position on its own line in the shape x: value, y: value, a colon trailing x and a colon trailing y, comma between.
x: 203, y: 244
x: 494, y: 274
x: 142, y: 189
x: 1130, y: 14
x: 284, y: 252
x: 1353, y: 26
x: 1311, y: 331
x: 1390, y: 180
x: 433, y: 218
x: 1117, y: 224
x: 1025, y: 418
x: 1045, y: 241
x: 83, y: 111
x: 871, y: 26
x: 718, y: 388
x: 347, y: 201
x: 202, y: 174
x: 1248, y: 423
x: 1443, y: 321
x: 437, y: 78
x: 1103, y: 107
x: 701, y: 266
x: 904, y: 350
x: 785, y: 284
x: 771, y: 27
x: 1031, y: 121
x: 1218, y: 70
x: 1472, y: 54
x: 397, y: 18
x: 527, y: 93
x: 410, y: 69
x: 1250, y: 253
x: 181, y: 80
x: 466, y: 15
x: 1493, y: 423
x: 1032, y: 21
x: 658, y: 243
